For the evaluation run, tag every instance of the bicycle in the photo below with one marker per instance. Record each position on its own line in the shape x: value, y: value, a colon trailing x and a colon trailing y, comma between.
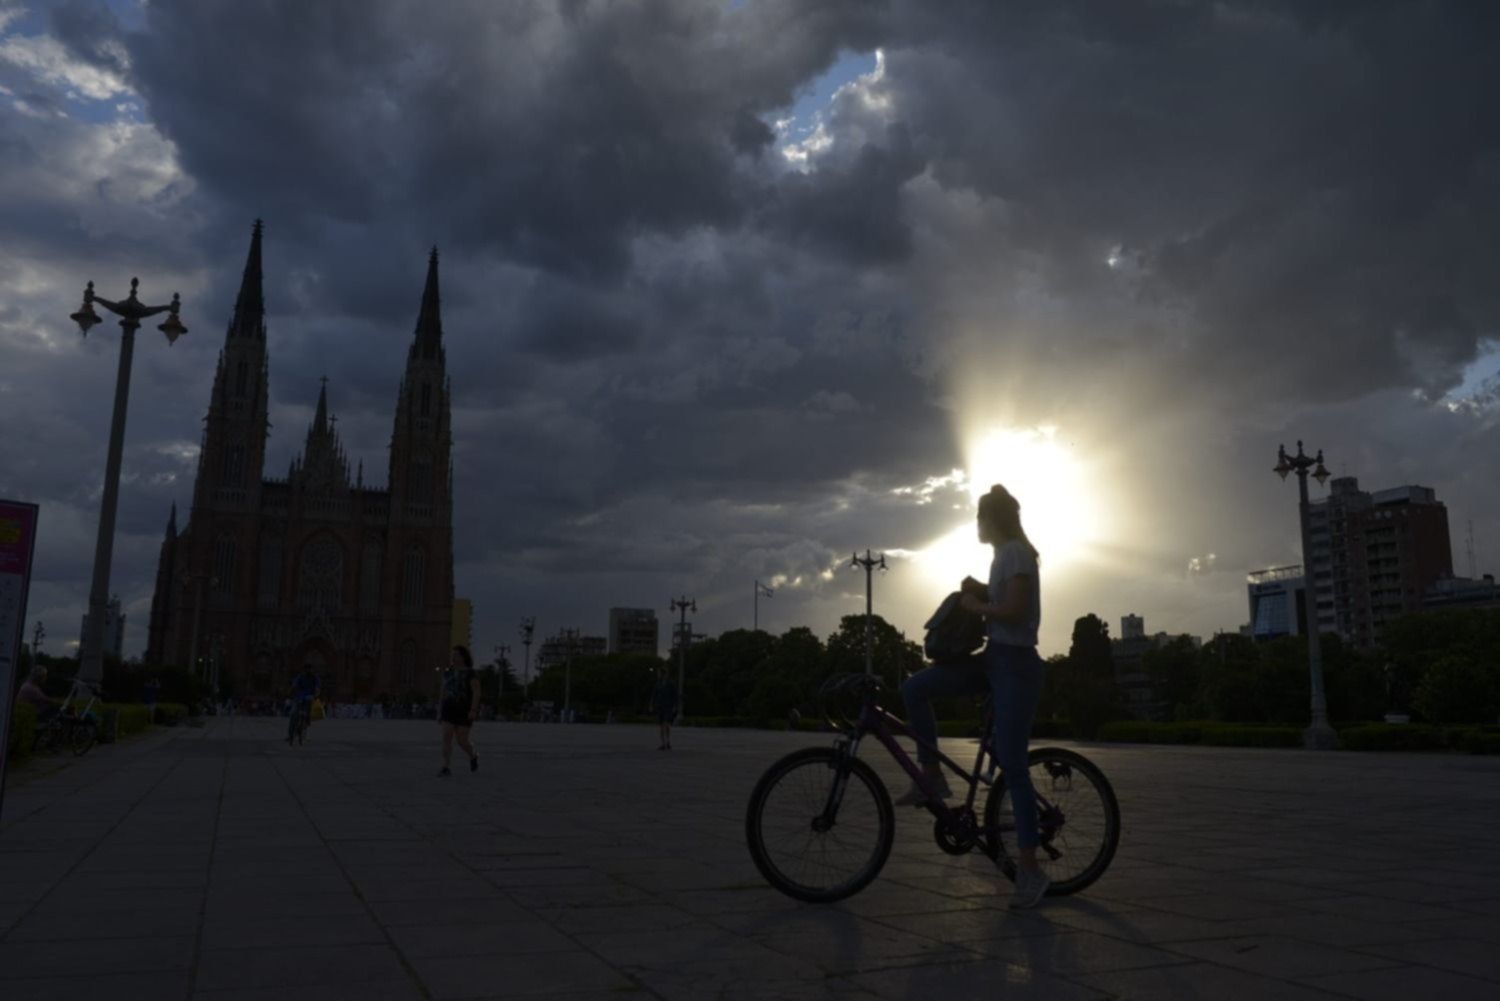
x: 820, y: 823
x: 301, y: 719
x: 78, y: 728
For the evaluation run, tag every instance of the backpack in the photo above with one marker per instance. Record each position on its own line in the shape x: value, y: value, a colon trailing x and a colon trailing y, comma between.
x: 952, y: 632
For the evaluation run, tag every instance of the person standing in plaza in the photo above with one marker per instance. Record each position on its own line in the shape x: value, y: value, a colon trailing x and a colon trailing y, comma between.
x: 664, y: 701
x: 149, y: 691
x: 459, y: 707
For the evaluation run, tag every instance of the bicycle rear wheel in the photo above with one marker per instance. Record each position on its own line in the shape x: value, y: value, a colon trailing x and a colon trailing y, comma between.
x: 1078, y: 816
x: 82, y: 736
x: 819, y: 825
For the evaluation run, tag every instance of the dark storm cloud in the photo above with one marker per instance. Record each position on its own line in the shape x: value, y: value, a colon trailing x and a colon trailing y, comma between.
x: 1315, y: 180
x: 675, y: 346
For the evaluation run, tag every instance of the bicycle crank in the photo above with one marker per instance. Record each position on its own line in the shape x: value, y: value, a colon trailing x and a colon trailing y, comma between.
x: 958, y: 832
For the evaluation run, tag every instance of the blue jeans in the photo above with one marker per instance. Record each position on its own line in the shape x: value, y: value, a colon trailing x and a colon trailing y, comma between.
x: 1013, y: 677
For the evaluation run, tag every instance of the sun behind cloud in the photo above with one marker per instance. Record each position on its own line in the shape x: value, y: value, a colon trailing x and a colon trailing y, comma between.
x: 1062, y: 507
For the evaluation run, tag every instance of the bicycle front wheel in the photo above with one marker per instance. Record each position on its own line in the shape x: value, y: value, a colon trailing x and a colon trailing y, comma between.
x: 1078, y: 817
x: 819, y: 825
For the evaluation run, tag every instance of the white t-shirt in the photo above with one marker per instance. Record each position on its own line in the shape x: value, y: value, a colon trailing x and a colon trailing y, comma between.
x: 1014, y: 559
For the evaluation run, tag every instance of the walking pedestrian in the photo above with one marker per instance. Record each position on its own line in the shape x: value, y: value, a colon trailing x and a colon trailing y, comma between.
x: 459, y: 707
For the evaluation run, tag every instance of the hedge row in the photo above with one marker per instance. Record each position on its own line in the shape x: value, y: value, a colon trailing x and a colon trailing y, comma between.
x: 22, y: 731
x: 171, y: 713
x: 1211, y: 734
x: 1420, y: 737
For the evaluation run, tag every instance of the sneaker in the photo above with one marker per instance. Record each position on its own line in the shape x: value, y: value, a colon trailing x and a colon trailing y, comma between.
x: 917, y: 796
x: 1031, y: 887
x: 444, y: 772
x: 474, y: 763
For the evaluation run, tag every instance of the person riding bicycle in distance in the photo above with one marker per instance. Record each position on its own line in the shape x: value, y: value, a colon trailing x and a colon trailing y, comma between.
x: 31, y: 692
x: 305, y: 688
x: 1008, y: 667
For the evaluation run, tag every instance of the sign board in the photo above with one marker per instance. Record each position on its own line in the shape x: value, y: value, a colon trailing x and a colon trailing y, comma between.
x: 17, y: 545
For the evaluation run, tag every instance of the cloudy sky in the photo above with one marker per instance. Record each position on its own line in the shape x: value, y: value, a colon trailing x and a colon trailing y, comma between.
x: 734, y: 289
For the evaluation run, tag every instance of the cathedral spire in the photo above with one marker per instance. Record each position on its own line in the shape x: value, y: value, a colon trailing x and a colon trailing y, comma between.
x: 428, y: 342
x: 172, y: 522
x: 250, y: 305
x: 320, y: 419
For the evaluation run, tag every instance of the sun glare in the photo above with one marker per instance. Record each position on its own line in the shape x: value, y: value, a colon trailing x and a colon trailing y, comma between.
x: 1059, y: 509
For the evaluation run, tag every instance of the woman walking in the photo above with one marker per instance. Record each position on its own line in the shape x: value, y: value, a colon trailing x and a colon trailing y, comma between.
x: 1008, y: 667
x: 459, y: 708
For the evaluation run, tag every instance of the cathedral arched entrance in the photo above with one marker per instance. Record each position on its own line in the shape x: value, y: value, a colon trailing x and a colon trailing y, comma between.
x: 324, y: 659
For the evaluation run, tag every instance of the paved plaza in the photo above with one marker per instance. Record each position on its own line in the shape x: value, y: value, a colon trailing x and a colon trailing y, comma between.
x: 580, y: 862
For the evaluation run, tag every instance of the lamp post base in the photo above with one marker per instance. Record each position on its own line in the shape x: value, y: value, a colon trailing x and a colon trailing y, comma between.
x: 1319, y: 736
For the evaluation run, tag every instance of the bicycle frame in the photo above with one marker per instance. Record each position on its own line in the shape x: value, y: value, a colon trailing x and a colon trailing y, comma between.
x: 885, y: 728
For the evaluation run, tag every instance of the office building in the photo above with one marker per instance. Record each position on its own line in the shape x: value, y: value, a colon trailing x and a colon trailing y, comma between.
x: 1276, y: 602
x: 633, y: 630
x: 1374, y: 555
x: 555, y: 649
x: 1462, y: 592
x: 463, y: 623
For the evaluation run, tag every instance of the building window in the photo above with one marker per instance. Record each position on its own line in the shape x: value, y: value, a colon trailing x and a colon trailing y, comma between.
x: 223, y: 572
x: 406, y: 663
x: 320, y: 580
x: 369, y: 576
x: 421, y: 480
x: 234, y: 466
x: 270, y: 572
x: 413, y: 575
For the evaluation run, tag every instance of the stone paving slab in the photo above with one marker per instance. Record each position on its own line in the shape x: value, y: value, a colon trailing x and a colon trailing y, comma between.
x: 581, y: 863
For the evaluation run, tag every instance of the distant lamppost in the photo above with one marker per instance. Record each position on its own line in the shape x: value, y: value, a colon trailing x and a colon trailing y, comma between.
x: 131, y: 312
x: 760, y: 590
x: 528, y: 626
x: 198, y: 579
x: 37, y: 635
x: 870, y: 564
x: 1318, y: 735
x: 570, y: 644
x: 502, y: 662
x: 684, y: 636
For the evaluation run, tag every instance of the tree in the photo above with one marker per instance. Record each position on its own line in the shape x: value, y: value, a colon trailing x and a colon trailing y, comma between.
x: 1085, y: 684
x: 1457, y: 689
x: 1174, y: 672
x: 895, y: 656
x: 1415, y: 644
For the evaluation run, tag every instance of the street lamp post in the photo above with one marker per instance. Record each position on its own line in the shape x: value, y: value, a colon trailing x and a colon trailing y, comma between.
x: 570, y: 643
x: 131, y: 312
x: 502, y: 653
x: 37, y: 635
x: 528, y: 626
x: 870, y: 564
x: 1319, y: 735
x: 685, y: 605
x: 198, y: 579
x: 760, y: 589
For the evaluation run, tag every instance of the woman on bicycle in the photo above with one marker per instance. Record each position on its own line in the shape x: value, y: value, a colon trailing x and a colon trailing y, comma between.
x: 1008, y: 667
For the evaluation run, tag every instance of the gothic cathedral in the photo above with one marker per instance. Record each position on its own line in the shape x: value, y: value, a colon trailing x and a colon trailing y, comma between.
x: 269, y: 574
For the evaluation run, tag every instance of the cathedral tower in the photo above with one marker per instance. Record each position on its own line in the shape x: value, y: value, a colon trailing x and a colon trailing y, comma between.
x: 420, y: 541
